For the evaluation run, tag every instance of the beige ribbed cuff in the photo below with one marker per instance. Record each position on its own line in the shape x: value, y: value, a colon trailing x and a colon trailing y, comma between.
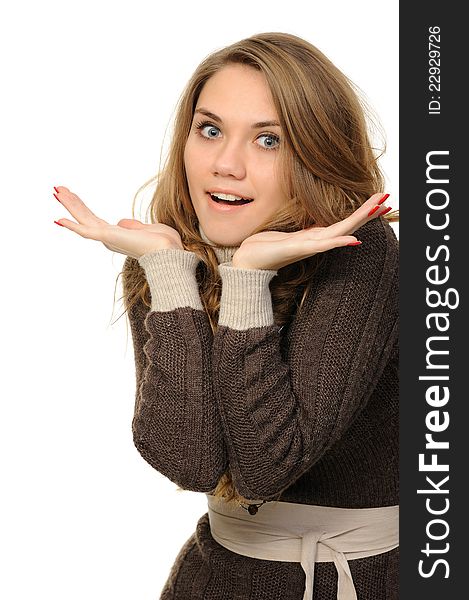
x: 245, y: 299
x: 171, y: 277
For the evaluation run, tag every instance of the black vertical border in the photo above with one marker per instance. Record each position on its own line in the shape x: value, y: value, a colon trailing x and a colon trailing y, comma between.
x: 421, y: 133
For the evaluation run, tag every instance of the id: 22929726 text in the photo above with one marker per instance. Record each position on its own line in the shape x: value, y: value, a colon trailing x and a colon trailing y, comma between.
x: 434, y: 70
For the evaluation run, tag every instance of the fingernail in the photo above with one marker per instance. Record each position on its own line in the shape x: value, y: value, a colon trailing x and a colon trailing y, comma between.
x: 59, y: 224
x: 55, y: 195
x: 354, y: 244
x: 383, y: 199
x: 385, y: 210
x: 373, y: 210
x: 56, y: 189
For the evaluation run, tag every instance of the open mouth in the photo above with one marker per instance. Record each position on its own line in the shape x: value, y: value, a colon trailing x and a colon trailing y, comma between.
x: 229, y: 199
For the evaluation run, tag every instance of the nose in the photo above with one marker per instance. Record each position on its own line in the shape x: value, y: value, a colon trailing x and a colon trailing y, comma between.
x: 229, y: 160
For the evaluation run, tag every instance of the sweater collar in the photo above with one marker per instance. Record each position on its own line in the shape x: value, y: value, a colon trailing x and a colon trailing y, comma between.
x: 224, y: 254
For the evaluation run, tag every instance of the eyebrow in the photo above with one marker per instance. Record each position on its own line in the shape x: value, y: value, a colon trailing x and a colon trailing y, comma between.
x: 214, y: 117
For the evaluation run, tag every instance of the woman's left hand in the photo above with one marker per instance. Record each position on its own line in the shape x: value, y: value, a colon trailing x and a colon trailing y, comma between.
x: 273, y: 249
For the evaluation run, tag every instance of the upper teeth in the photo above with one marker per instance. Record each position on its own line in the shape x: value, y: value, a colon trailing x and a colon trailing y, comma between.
x: 229, y: 197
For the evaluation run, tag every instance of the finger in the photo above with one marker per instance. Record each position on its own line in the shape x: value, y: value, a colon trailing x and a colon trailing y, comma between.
x: 369, y: 210
x: 131, y: 224
x: 135, y: 241
x: 266, y: 236
x: 311, y: 247
x: 335, y: 242
x: 113, y: 237
x: 91, y: 233
x: 302, y: 248
x: 152, y: 227
x: 76, y: 207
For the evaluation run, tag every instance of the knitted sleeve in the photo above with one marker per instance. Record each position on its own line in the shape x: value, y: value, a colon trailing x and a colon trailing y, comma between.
x: 283, y: 408
x: 176, y: 425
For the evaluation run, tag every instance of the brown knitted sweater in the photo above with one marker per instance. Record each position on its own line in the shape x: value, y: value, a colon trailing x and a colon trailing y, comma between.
x: 309, y: 412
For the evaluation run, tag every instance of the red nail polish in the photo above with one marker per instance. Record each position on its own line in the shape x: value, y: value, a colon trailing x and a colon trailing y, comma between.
x: 385, y: 210
x: 373, y: 210
x: 383, y: 199
x: 59, y: 224
x: 55, y: 196
x: 354, y: 244
x: 56, y: 189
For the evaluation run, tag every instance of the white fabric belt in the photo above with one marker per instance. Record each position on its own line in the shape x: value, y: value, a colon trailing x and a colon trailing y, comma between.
x: 302, y: 533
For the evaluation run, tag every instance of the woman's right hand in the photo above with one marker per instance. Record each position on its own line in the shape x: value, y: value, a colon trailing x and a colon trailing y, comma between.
x: 130, y: 237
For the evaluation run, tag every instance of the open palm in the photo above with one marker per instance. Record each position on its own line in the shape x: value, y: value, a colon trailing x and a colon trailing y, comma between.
x: 129, y: 236
x: 273, y: 249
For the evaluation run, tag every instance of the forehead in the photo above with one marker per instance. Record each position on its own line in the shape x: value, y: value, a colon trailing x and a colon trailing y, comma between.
x: 238, y: 91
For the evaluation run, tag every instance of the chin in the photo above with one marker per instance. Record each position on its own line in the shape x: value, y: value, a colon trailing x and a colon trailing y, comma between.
x: 226, y: 238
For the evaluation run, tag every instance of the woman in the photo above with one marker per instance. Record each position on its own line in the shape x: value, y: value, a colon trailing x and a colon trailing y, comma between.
x: 263, y: 305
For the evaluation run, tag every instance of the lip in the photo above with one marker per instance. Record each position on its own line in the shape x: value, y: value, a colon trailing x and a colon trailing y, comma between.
x: 226, y: 191
x: 224, y: 208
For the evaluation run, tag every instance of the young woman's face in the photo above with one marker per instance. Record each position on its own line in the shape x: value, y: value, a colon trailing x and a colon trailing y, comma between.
x: 231, y: 156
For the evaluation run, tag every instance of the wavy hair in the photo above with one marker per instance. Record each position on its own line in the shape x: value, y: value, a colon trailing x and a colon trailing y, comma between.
x: 328, y: 168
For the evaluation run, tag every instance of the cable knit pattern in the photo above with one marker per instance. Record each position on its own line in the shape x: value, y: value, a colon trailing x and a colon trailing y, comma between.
x: 309, y: 412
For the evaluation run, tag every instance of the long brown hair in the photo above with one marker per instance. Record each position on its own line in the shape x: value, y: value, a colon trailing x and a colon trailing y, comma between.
x: 329, y: 167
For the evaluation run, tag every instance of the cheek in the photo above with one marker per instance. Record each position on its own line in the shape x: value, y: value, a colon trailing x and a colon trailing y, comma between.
x: 194, y: 163
x: 279, y: 191
x: 274, y: 190
x: 268, y: 175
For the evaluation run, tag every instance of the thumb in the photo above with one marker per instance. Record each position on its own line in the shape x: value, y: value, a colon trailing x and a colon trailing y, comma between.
x: 131, y: 224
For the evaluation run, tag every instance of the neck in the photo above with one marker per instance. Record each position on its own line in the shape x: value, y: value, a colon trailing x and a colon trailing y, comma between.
x: 223, y: 253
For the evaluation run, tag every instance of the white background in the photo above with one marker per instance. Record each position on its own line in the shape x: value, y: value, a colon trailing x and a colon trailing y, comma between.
x: 88, y: 91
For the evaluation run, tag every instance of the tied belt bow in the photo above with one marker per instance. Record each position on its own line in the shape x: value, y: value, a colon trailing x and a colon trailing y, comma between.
x: 285, y: 531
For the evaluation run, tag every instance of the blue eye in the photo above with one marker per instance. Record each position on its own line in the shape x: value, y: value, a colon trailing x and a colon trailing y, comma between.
x: 270, y: 142
x: 208, y: 130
